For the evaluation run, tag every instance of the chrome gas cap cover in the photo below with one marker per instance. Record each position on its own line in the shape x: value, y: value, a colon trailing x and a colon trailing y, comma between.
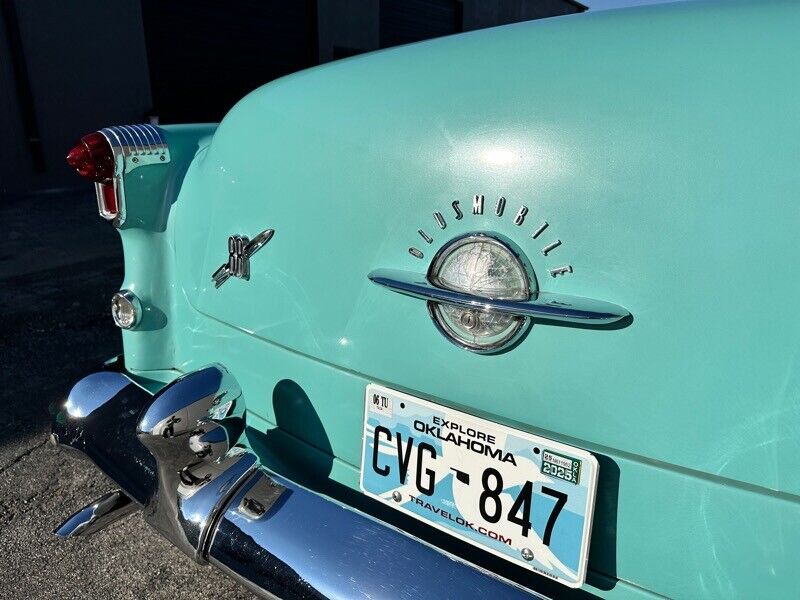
x: 482, y: 266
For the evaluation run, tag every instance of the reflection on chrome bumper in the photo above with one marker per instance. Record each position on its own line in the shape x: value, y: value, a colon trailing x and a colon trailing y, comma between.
x: 174, y: 457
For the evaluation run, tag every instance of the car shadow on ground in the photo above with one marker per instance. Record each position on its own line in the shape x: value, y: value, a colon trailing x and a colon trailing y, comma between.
x: 59, y: 265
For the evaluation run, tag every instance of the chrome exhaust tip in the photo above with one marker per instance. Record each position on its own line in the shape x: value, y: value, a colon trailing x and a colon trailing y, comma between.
x: 96, y: 515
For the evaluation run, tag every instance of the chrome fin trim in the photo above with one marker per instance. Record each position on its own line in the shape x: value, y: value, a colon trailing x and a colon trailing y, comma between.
x: 545, y: 306
x: 139, y: 145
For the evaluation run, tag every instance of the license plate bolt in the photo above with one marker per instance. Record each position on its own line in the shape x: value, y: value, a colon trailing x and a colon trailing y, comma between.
x: 397, y: 496
x: 527, y: 554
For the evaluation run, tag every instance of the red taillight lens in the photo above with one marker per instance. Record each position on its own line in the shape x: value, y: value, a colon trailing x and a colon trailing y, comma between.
x: 92, y: 158
x: 109, y: 200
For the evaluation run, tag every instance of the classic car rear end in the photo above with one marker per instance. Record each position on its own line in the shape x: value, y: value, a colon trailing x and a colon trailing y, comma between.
x: 570, y: 242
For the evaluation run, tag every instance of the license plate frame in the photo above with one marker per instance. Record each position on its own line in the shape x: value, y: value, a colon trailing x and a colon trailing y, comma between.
x: 454, y: 462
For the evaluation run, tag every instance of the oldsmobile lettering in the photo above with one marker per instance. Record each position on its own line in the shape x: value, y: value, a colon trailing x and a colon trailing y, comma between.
x: 477, y: 203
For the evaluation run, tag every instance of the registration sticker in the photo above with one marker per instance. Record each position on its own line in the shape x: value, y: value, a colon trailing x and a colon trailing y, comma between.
x: 519, y: 496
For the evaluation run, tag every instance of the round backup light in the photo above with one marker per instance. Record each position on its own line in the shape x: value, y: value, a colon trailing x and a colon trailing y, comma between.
x: 483, y: 267
x: 126, y: 309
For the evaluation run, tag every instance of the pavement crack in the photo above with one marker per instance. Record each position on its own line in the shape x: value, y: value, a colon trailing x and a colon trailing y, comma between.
x: 19, y: 457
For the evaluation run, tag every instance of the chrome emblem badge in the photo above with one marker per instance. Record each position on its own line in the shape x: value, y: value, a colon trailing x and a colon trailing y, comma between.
x: 240, y: 249
x: 481, y: 290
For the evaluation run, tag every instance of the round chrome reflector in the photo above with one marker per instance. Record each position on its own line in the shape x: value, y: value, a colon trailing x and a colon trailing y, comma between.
x: 484, y: 267
x: 126, y: 309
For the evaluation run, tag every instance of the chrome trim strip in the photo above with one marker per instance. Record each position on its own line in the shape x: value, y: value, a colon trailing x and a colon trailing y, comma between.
x: 139, y: 145
x: 545, y: 306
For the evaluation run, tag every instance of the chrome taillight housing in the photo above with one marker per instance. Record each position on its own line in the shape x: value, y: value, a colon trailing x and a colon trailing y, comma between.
x: 105, y: 157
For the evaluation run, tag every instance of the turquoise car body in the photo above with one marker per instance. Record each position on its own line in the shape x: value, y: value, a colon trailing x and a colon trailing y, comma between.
x: 659, y: 144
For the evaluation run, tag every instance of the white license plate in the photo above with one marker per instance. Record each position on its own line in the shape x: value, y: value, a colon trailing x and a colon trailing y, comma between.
x: 520, y: 496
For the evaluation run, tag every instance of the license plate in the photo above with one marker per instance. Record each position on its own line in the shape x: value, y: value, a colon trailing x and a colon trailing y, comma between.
x: 519, y: 496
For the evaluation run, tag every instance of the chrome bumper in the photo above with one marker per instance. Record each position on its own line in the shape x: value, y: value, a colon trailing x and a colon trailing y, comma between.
x: 174, y: 457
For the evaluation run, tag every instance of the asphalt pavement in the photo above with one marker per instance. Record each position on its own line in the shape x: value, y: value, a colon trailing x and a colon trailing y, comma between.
x: 59, y: 265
